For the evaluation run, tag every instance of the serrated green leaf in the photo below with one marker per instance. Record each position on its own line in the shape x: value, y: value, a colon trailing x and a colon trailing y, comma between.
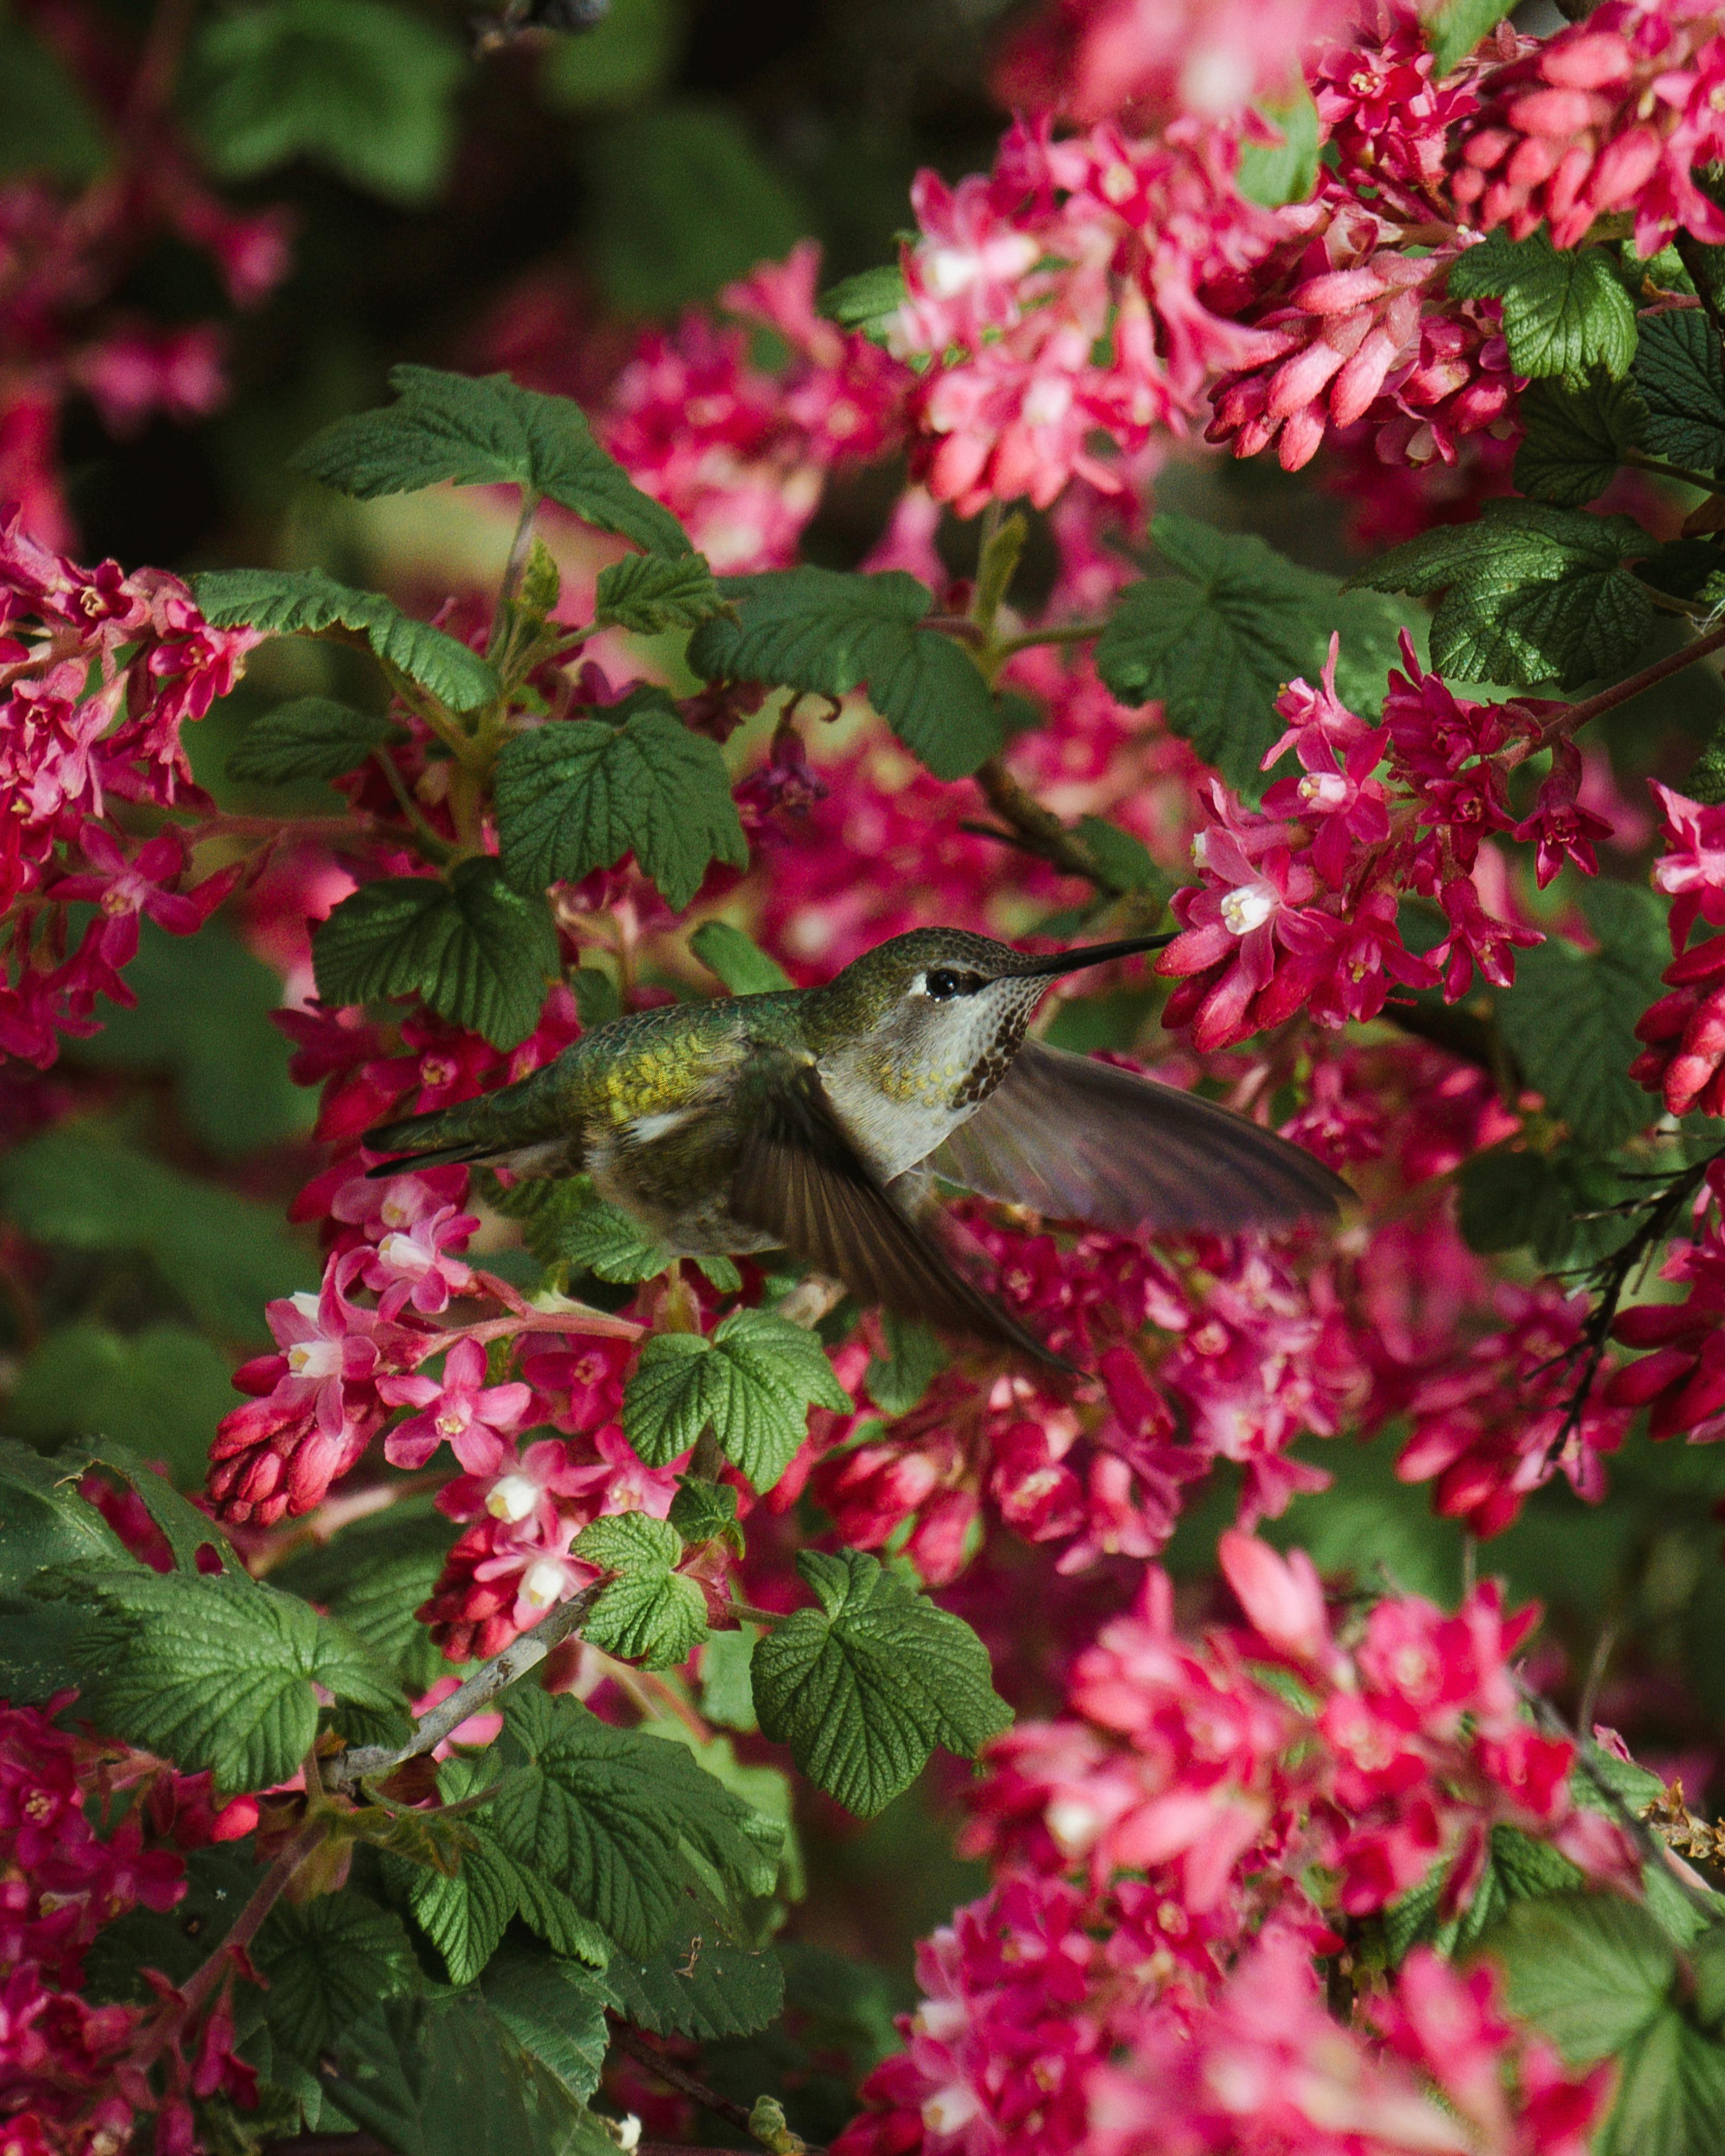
x: 864, y: 1687
x: 1575, y: 438
x: 647, y: 592
x: 576, y: 795
x: 1565, y: 310
x: 164, y: 1389
x: 867, y: 301
x: 224, y: 1256
x: 1547, y: 1203
x: 646, y: 1613
x: 1706, y: 782
x: 447, y: 2077
x: 216, y: 1673
x: 45, y: 1526
x: 482, y: 430
x: 1680, y: 375
x: 701, y: 1511
x: 1273, y: 173
x: 754, y: 1378
x: 328, y: 1962
x: 1456, y: 27
x: 307, y: 603
x: 606, y: 1815
x: 737, y: 959
x: 1532, y: 594
x: 1589, y: 1970
x: 1671, y: 2094
x: 828, y: 632
x: 309, y: 737
x: 1218, y: 640
x: 1570, y: 1019
x: 896, y: 1382
x: 702, y: 1985
x: 35, y: 1646
x: 381, y: 1581
x: 365, y: 88
x: 204, y: 1012
x: 555, y: 2008
x: 478, y: 951
x: 187, y: 1531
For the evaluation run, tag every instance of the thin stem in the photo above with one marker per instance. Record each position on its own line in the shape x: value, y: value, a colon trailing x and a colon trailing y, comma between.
x: 678, y: 2077
x: 372, y: 1762
x: 499, y: 642
x: 1041, y: 831
x: 1064, y: 632
x: 1577, y: 716
x: 198, y: 1991
x: 1659, y: 466
x: 576, y: 1318
x: 1597, y: 1667
x: 435, y: 850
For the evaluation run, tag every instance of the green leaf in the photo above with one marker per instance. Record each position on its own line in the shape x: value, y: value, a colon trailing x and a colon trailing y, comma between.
x: 625, y: 55
x: 700, y: 1985
x: 1681, y: 377
x: 868, y: 301
x: 204, y: 1012
x: 224, y: 1256
x: 1589, y: 1970
x: 308, y: 737
x: 828, y: 632
x: 1570, y: 1018
x: 377, y: 1598
x: 216, y: 1673
x: 1532, y: 594
x: 1542, y: 1202
x: 479, y: 951
x: 610, y: 1817
x: 447, y: 2077
x: 1125, y: 861
x: 1565, y: 310
x: 682, y: 200
x: 864, y: 1687
x: 1456, y: 27
x: 1576, y: 438
x: 328, y: 1962
x: 307, y: 603
x: 1671, y: 2094
x: 726, y: 1696
x: 647, y: 592
x: 45, y: 1526
x: 703, y: 1512
x: 754, y: 1378
x: 47, y: 123
x: 597, y: 1001
x: 1285, y: 171
x: 603, y: 1240
x: 36, y: 1644
x: 187, y: 1531
x: 163, y: 1390
x: 554, y: 2008
x: 737, y: 959
x: 484, y: 431
x: 647, y: 1614
x: 365, y: 88
x: 1706, y: 782
x: 914, y: 1358
x: 575, y: 794
x: 1218, y: 640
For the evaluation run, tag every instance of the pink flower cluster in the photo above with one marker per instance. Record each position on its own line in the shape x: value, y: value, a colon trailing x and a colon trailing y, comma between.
x: 74, y: 2075
x: 1077, y: 289
x: 1296, y: 904
x: 1141, y: 1975
x: 739, y: 454
x: 99, y: 671
x: 1611, y: 113
x: 1684, y: 1059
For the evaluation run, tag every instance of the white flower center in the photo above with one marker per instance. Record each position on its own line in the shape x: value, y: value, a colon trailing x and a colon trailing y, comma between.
x: 1249, y: 907
x: 1074, y: 1823
x: 512, y: 1498
x: 950, y: 2108
x: 1049, y: 401
x: 543, y: 1584
x: 403, y: 1254
x: 1328, y: 788
x: 315, y: 1359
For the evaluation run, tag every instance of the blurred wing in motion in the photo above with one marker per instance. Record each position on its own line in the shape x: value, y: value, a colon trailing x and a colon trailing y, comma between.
x: 1078, y: 1140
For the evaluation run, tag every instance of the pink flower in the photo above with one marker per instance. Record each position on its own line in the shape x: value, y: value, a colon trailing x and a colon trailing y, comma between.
x: 1693, y: 872
x: 459, y: 1407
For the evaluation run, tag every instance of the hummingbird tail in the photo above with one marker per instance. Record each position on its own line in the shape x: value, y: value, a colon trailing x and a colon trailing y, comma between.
x: 512, y: 1126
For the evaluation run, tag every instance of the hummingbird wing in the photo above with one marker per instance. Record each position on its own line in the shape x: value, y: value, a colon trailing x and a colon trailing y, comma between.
x: 799, y: 1179
x: 1079, y: 1140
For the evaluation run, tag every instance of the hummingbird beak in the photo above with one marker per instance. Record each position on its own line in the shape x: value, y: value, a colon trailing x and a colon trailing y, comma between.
x: 1088, y: 954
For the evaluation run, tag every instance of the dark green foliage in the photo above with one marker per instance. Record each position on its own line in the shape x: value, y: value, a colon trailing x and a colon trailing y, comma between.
x: 1565, y: 310
x: 555, y: 2008
x: 329, y: 1963
x: 863, y: 1688
x: 1532, y: 594
x: 363, y: 87
x: 162, y: 1391
x: 307, y: 603
x: 737, y: 959
x: 1456, y: 27
x: 647, y: 1613
x: 479, y: 950
x: 647, y: 592
x: 1285, y: 171
x: 308, y: 737
x: 867, y: 301
x: 828, y: 634
x: 577, y: 795
x: 224, y: 1256
x: 1576, y: 438
x: 897, y: 1381
x: 698, y: 1985
x: 754, y: 1378
x: 47, y: 123
x: 1546, y: 1203
x: 1217, y: 639
x: 481, y: 431
x: 1680, y: 375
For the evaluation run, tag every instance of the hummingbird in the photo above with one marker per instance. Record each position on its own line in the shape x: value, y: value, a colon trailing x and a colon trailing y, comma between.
x: 818, y: 1120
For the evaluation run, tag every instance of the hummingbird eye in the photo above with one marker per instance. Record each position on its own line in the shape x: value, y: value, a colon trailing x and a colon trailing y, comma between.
x: 943, y: 982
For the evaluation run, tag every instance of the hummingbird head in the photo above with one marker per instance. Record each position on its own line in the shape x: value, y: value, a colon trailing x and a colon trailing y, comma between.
x: 943, y: 1012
